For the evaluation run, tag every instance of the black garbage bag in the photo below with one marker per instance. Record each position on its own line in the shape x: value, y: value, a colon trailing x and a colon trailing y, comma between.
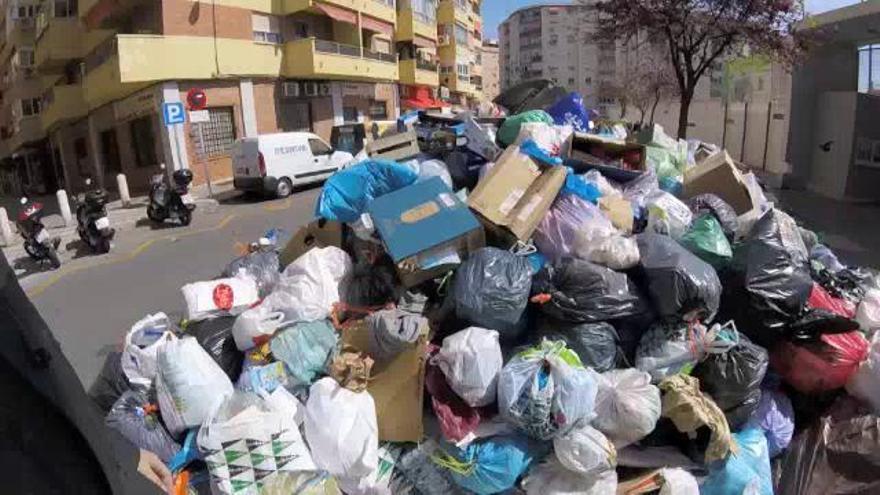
x: 723, y: 212
x: 110, y: 383
x: 768, y: 282
x: 815, y: 322
x: 678, y: 282
x: 464, y: 169
x: 578, y: 291
x: 733, y: 379
x: 848, y: 283
x: 263, y: 266
x: 491, y: 290
x: 838, y: 455
x: 131, y: 418
x: 372, y: 284
x: 596, y: 344
x: 215, y: 336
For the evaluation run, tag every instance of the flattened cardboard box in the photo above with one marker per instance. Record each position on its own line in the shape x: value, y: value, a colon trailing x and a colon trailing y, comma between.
x: 718, y: 175
x: 397, y: 387
x: 426, y: 229
x: 517, y: 192
x: 318, y: 233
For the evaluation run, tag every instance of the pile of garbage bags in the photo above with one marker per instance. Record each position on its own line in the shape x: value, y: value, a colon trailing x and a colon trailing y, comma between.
x: 584, y: 315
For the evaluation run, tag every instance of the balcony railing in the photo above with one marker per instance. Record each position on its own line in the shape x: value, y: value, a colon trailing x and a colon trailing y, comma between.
x: 464, y: 79
x: 426, y: 65
x: 325, y: 46
x: 384, y: 57
x: 101, y: 54
x: 424, y: 18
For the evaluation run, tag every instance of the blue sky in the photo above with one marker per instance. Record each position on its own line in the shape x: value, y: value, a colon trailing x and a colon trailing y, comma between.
x: 495, y: 11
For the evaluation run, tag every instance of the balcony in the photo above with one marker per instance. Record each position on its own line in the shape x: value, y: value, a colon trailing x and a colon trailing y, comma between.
x: 62, y: 104
x: 311, y: 58
x: 458, y: 84
x: 419, y: 72
x: 411, y: 24
x: 448, y: 12
x: 20, y: 32
x: 58, y: 42
x: 28, y: 130
x: 380, y: 9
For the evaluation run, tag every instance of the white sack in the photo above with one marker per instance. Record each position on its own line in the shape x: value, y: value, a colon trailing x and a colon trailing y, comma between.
x: 471, y: 360
x: 627, y: 406
x: 211, y: 297
x: 585, y: 450
x: 309, y: 286
x: 141, y: 348
x: 552, y: 478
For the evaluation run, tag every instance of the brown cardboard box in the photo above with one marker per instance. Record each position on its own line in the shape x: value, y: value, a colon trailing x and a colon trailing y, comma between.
x: 319, y: 233
x: 597, y: 150
x: 718, y: 175
x: 394, y: 147
x: 517, y: 192
x: 619, y: 211
x: 397, y: 387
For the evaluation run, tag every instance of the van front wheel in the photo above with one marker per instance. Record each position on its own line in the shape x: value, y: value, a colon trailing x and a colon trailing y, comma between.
x: 284, y: 188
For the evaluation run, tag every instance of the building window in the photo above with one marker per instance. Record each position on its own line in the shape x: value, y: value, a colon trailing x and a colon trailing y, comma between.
x: 143, y: 141
x: 300, y: 29
x: 463, y: 71
x: 462, y: 4
x: 25, y: 12
x: 319, y: 147
x: 266, y: 28
x: 218, y: 134
x: 378, y: 110
x: 350, y: 114
x: 461, y: 36
x: 30, y: 106
x: 25, y: 56
x: 588, y: 80
x: 64, y: 8
x: 571, y: 81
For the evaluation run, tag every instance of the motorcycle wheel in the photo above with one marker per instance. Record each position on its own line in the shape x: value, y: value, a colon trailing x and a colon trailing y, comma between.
x: 30, y: 251
x: 103, y: 245
x: 185, y: 217
x: 153, y: 214
x: 52, y: 256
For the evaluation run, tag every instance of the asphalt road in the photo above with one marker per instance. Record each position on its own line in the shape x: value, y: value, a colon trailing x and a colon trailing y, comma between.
x: 92, y: 301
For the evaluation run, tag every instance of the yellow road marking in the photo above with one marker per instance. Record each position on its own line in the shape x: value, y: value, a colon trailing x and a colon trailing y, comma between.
x: 279, y: 206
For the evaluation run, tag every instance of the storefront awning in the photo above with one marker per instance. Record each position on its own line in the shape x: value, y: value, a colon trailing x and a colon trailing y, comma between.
x: 377, y: 26
x: 423, y: 42
x: 337, y: 14
x: 421, y: 98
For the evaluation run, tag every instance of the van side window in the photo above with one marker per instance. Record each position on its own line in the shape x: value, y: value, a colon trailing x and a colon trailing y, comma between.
x: 318, y: 147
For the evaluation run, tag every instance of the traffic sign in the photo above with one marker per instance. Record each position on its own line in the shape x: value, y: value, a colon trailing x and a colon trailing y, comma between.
x: 173, y: 113
x: 197, y: 99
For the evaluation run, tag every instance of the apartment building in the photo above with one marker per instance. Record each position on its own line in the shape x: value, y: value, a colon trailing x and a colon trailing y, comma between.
x: 99, y: 72
x: 459, y: 28
x: 490, y: 83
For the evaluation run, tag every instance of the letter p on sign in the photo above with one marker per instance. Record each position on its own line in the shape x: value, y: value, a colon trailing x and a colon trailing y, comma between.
x: 173, y: 113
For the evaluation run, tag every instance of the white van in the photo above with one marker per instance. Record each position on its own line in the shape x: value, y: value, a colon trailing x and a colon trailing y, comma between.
x: 274, y: 163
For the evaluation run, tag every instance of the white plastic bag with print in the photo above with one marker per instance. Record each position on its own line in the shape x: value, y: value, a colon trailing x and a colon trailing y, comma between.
x: 189, y: 384
x: 471, y: 360
x: 255, y: 326
x: 586, y: 451
x: 141, y: 348
x: 549, y: 138
x: 552, y: 478
x: 309, y: 286
x: 341, y: 430
x: 248, y: 441
x: 224, y: 295
x: 667, y: 214
x: 627, y: 406
x: 868, y: 311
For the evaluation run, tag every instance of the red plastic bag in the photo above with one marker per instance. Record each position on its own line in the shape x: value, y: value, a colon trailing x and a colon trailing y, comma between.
x: 457, y: 418
x: 820, y: 366
x: 821, y: 299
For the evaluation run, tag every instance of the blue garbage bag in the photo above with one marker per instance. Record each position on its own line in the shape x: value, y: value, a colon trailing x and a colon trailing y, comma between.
x: 305, y: 349
x: 489, y: 466
x: 746, y: 471
x: 347, y: 193
x: 569, y: 110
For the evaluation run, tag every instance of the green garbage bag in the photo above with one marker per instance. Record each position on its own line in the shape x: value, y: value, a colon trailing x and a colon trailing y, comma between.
x: 662, y: 162
x: 705, y: 238
x: 510, y: 128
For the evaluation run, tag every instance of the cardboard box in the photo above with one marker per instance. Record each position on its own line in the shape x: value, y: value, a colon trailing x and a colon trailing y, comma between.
x: 597, y: 150
x: 517, y: 192
x: 718, y: 175
x: 426, y: 229
x: 397, y: 387
x: 395, y: 147
x: 319, y: 233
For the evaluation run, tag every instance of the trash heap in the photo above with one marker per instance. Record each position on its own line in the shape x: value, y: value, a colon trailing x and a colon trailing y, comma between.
x: 541, y: 310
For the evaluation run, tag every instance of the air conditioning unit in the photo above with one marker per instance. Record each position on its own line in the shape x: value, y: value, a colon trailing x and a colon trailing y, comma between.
x: 443, y: 40
x: 310, y: 89
x: 324, y: 89
x: 290, y: 89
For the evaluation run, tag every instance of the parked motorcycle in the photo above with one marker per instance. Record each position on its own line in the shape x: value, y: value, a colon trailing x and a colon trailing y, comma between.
x: 37, y: 241
x: 171, y: 201
x: 93, y: 226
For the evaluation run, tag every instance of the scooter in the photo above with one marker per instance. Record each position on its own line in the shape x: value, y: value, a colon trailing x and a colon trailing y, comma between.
x: 93, y: 226
x: 172, y: 201
x: 37, y: 241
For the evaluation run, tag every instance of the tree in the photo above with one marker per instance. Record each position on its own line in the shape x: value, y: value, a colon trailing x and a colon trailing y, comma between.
x: 696, y: 33
x: 644, y: 81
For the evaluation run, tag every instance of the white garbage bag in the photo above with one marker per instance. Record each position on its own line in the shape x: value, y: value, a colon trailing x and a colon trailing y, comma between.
x: 868, y: 311
x: 189, y: 384
x: 552, y: 478
x: 341, y: 429
x: 141, y: 348
x: 627, y: 406
x: 677, y: 481
x: 224, y: 295
x: 255, y: 326
x: 586, y: 451
x: 864, y: 384
x: 667, y: 214
x: 309, y: 286
x: 604, y: 245
x: 471, y: 360
x: 247, y: 442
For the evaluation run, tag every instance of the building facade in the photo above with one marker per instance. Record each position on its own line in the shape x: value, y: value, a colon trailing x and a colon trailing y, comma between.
x: 490, y: 83
x: 460, y: 35
x: 85, y: 82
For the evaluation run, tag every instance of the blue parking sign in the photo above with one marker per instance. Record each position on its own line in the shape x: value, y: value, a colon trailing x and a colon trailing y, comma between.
x: 173, y: 113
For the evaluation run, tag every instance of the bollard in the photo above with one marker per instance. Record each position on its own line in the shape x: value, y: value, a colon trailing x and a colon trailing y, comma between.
x: 124, y: 196
x: 5, y: 229
x: 64, y: 206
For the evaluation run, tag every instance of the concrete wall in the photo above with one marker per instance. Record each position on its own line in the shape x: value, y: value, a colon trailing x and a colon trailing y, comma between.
x: 833, y: 121
x: 864, y: 182
x: 182, y: 17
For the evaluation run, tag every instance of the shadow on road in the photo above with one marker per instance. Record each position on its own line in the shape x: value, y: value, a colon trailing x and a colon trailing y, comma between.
x: 80, y: 249
x: 26, y: 266
x: 146, y: 222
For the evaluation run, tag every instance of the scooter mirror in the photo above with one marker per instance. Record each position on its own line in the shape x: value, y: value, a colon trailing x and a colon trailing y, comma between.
x: 23, y: 200
x: 88, y: 182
